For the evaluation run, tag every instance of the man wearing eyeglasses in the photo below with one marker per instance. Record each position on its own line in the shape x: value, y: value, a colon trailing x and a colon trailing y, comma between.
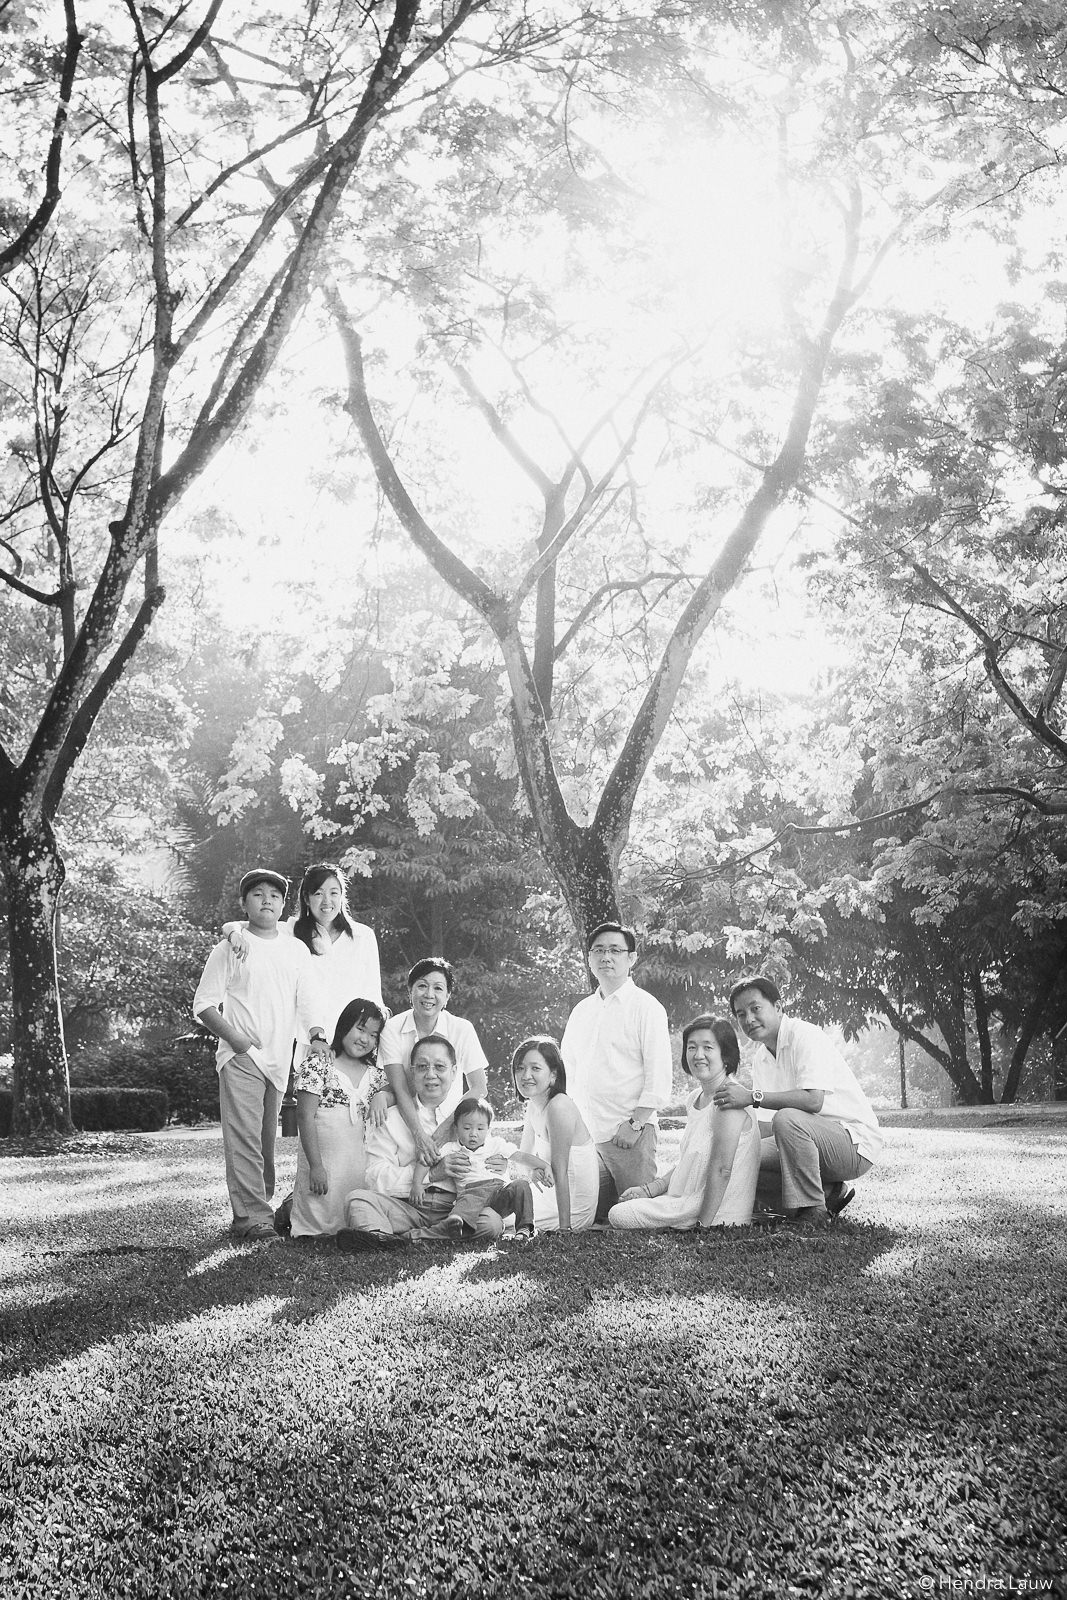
x: 617, y: 1051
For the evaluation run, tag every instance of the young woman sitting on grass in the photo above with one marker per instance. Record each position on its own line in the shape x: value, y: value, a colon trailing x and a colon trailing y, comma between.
x: 714, y: 1181
x: 333, y: 1107
x: 556, y: 1152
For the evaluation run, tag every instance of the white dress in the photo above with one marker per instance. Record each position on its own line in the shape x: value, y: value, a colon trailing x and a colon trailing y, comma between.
x: 680, y: 1206
x: 583, y: 1172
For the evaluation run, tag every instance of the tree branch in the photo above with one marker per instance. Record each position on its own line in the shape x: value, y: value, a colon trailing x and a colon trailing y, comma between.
x: 81, y: 724
x: 21, y: 246
x: 779, y: 479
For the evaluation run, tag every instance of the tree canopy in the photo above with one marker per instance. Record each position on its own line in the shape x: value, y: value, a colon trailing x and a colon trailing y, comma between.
x: 662, y: 336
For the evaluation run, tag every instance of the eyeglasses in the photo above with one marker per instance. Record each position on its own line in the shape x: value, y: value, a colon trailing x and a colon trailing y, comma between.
x: 610, y: 950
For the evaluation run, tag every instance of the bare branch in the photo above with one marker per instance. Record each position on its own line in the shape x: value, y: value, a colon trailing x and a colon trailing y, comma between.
x: 503, y: 434
x: 20, y: 247
x: 618, y: 586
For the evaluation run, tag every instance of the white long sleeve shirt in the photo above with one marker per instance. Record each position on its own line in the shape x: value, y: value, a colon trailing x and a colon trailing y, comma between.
x: 270, y: 994
x: 617, y: 1051
x: 391, y: 1152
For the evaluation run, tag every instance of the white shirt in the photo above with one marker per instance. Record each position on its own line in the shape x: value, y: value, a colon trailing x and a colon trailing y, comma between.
x: 346, y: 968
x: 271, y: 994
x: 807, y: 1059
x: 617, y: 1051
x: 398, y: 1039
x: 478, y: 1172
x: 391, y: 1152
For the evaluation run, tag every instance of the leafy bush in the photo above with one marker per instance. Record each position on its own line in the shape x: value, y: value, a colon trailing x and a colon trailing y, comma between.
x: 183, y: 1068
x: 104, y: 1110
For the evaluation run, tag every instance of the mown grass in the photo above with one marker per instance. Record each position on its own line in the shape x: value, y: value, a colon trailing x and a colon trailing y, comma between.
x: 877, y: 1410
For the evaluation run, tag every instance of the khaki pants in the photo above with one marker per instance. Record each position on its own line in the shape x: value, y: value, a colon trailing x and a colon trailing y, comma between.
x: 624, y: 1169
x: 248, y: 1103
x: 809, y: 1152
x: 387, y: 1213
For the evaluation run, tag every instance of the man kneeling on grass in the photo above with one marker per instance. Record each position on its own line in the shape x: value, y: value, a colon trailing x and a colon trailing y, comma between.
x: 825, y: 1132
x: 402, y: 1205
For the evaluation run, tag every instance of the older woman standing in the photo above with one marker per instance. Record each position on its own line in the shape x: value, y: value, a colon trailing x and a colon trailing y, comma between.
x: 714, y: 1182
x: 430, y: 985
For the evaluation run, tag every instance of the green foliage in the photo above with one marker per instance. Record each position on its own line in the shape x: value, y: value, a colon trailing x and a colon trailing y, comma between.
x: 182, y: 1069
x: 102, y: 1109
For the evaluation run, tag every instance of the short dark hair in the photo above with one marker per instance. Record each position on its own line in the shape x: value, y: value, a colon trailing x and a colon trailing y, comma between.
x: 550, y: 1050
x: 766, y: 987
x: 356, y: 1011
x: 469, y: 1105
x: 428, y: 964
x: 433, y: 1038
x: 612, y: 927
x: 725, y: 1038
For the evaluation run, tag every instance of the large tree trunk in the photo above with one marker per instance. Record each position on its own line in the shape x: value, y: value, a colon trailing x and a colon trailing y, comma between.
x: 985, y: 1044
x: 1059, y: 1065
x: 33, y: 870
x: 588, y: 876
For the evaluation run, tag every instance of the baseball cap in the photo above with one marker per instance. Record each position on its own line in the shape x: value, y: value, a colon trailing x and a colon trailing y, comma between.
x: 262, y: 875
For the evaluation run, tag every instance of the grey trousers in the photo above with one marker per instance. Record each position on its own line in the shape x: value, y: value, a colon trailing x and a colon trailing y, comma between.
x: 625, y: 1169
x: 808, y: 1153
x: 248, y: 1104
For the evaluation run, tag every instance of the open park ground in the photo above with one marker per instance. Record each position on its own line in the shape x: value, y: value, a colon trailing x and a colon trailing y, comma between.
x: 875, y: 1409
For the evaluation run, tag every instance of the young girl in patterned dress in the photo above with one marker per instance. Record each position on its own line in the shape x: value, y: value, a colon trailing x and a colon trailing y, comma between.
x: 333, y: 1107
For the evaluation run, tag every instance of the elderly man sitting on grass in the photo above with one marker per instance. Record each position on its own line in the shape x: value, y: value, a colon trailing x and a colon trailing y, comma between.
x: 400, y: 1207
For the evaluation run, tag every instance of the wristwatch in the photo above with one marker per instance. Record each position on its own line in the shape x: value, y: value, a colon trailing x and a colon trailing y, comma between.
x: 636, y: 1126
x: 757, y: 1099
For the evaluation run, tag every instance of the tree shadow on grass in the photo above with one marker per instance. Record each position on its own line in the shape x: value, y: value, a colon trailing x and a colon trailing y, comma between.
x: 617, y: 1430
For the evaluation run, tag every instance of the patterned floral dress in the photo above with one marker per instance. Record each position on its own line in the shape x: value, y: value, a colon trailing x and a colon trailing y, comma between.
x: 344, y: 1088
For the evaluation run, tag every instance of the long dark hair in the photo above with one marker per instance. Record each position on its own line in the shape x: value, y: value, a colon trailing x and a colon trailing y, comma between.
x: 314, y: 878
x: 548, y: 1047
x: 356, y: 1011
x: 725, y: 1038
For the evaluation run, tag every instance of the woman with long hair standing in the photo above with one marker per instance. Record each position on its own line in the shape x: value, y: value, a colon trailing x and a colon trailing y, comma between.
x: 347, y: 964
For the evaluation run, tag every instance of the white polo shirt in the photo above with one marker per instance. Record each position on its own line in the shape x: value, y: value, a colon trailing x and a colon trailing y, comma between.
x: 617, y: 1051
x: 400, y: 1034
x: 807, y: 1059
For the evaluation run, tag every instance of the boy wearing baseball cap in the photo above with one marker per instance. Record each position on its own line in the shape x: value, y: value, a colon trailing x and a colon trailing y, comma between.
x: 254, y: 1008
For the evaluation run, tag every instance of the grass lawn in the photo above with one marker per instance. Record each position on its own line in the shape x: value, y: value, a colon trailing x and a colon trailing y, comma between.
x: 878, y: 1409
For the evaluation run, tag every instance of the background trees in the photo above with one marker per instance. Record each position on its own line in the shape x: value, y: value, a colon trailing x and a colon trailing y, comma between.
x: 716, y: 369
x: 140, y: 319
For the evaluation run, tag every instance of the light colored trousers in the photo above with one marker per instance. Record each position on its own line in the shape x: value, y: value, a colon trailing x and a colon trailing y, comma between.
x: 375, y: 1212
x: 248, y: 1103
x: 810, y: 1152
x: 625, y: 1169
x: 381, y: 1213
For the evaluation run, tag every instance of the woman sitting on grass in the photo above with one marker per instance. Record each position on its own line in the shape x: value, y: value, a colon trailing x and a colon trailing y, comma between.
x: 714, y: 1181
x: 333, y: 1109
x: 556, y: 1152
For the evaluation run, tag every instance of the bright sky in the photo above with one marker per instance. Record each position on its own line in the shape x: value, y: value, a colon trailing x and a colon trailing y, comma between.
x: 705, y: 238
